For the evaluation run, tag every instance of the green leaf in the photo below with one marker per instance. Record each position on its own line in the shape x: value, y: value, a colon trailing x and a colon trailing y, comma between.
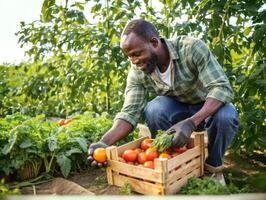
x: 72, y: 151
x: 11, y: 142
x: 247, y: 31
x: 25, y: 144
x: 82, y: 143
x: 46, y: 12
x: 52, y: 143
x: 78, y: 4
x: 64, y: 163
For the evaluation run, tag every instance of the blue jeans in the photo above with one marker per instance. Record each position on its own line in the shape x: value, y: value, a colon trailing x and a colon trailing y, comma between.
x: 164, y: 111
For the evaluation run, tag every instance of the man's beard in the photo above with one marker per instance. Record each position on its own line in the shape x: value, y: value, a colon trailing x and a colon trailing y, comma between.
x: 151, y: 64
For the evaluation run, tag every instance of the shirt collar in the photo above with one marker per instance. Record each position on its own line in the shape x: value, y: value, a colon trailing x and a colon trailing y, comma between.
x: 171, y: 48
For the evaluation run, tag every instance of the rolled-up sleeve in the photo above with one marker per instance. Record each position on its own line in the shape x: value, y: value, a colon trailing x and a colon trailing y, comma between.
x: 134, y: 99
x: 211, y: 73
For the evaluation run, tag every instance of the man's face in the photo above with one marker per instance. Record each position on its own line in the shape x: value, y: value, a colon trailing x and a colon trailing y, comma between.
x: 139, y: 52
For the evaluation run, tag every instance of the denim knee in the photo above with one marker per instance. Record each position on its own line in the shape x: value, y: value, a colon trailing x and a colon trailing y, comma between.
x: 226, y: 117
x: 154, y: 111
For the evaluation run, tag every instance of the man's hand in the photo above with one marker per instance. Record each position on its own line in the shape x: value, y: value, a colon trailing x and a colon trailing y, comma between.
x: 90, y: 160
x: 182, y: 132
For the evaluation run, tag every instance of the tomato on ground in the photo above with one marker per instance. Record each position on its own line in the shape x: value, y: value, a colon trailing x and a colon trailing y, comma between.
x: 151, y: 154
x: 99, y: 155
x: 130, y: 155
x: 146, y: 143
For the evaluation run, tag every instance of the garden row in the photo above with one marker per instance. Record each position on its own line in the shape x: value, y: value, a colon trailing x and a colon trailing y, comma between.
x: 30, y: 146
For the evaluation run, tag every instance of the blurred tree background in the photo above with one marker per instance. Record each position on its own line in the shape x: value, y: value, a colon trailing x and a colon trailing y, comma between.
x: 76, y: 64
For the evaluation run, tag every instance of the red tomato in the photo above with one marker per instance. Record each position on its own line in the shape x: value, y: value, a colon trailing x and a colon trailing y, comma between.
x: 67, y: 121
x: 61, y: 122
x: 165, y: 155
x: 149, y: 164
x: 138, y: 150
x: 130, y: 155
x: 151, y: 153
x: 180, y: 149
x: 145, y: 144
x: 142, y: 157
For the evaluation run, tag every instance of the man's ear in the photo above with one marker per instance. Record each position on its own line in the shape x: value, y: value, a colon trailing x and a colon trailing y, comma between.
x: 154, y: 41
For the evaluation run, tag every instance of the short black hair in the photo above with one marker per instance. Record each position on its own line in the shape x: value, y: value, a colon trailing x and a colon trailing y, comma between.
x: 142, y: 28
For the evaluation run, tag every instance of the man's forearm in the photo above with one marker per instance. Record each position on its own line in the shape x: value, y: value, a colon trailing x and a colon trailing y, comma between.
x: 210, y: 106
x: 119, y: 130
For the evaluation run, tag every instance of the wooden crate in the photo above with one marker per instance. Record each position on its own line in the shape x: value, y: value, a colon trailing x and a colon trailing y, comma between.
x: 168, y: 176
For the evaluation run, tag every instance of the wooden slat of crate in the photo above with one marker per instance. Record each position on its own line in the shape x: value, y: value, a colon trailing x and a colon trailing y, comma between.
x: 130, y: 145
x: 136, y: 171
x: 183, y: 170
x: 139, y: 186
x: 176, y: 186
x: 183, y: 158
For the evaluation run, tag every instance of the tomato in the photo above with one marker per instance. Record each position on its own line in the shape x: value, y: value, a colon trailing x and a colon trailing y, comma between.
x: 146, y: 143
x: 165, y: 155
x: 149, y: 164
x: 63, y: 122
x: 151, y: 154
x: 99, y: 155
x: 138, y: 150
x: 142, y: 157
x: 67, y: 121
x: 179, y: 149
x: 130, y: 155
x: 120, y: 159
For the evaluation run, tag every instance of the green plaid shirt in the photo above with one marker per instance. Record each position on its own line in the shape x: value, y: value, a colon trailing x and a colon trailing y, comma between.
x: 195, y: 75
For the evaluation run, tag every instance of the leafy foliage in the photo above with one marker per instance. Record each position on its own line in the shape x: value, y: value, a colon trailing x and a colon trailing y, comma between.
x: 162, y: 141
x: 40, y: 142
x: 4, y: 190
x: 208, y: 185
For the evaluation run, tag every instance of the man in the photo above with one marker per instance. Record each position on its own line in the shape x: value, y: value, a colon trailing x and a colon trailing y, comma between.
x: 191, y: 87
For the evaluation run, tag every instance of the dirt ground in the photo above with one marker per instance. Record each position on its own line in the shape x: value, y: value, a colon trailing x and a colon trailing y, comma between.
x: 238, y: 169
